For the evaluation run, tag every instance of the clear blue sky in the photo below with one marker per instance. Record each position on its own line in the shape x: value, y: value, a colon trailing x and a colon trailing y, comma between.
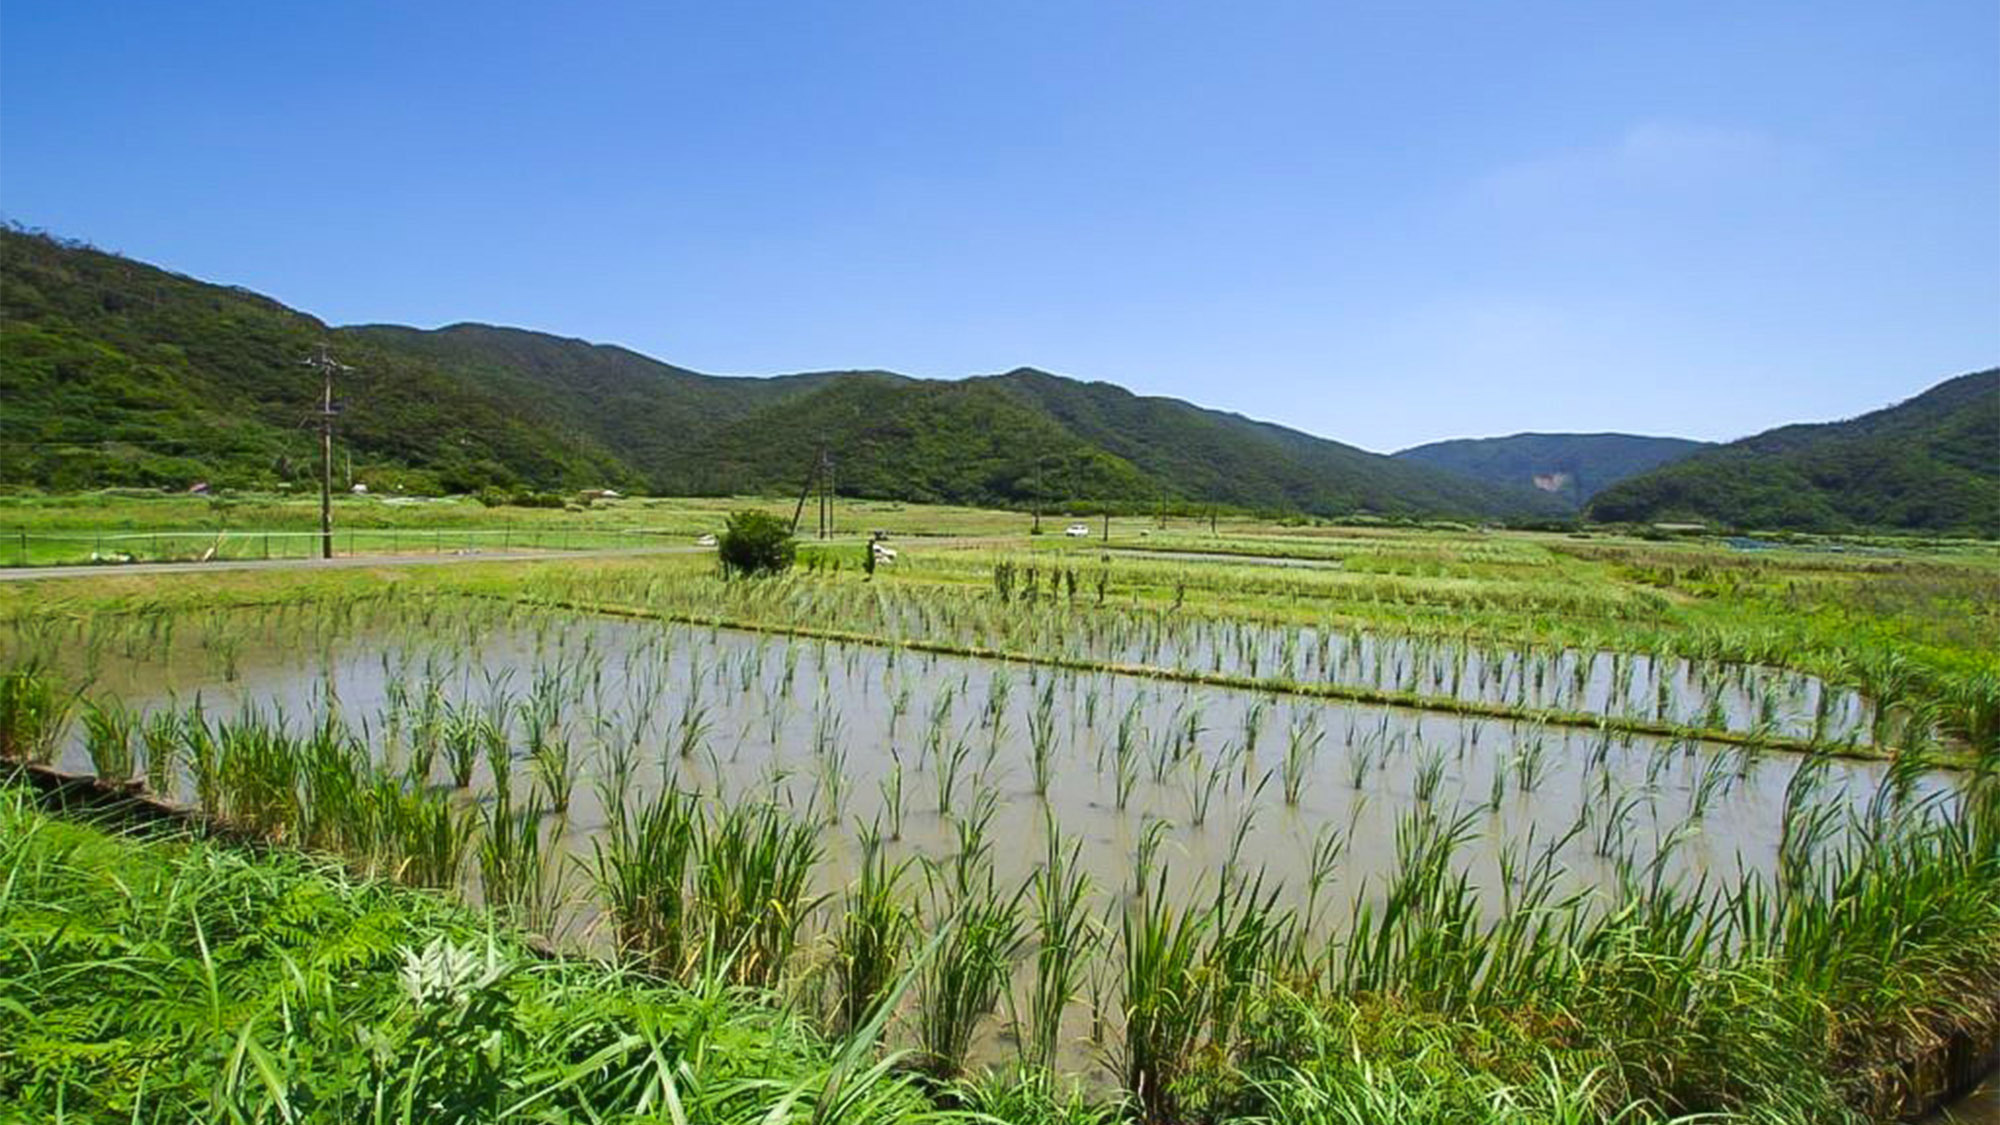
x: 1383, y: 223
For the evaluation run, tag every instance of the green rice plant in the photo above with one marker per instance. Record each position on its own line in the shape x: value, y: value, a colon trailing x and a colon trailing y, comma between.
x: 161, y: 734
x: 1065, y: 939
x: 1531, y: 764
x: 463, y: 734
x: 962, y: 984
x: 107, y: 738
x: 1168, y: 998
x: 552, y: 761
x: 199, y: 749
x: 516, y: 875
x: 691, y: 730
x: 892, y: 800
x: 640, y: 869
x: 1042, y: 738
x: 998, y: 689
x: 433, y: 840
x: 1302, y: 745
x: 752, y: 873
x: 499, y: 754
x: 1429, y: 773
x: 258, y: 766
x: 346, y: 803
x: 875, y: 932
x: 1201, y: 784
x: 34, y: 710
x: 1247, y: 934
x: 1125, y: 775
x: 948, y: 767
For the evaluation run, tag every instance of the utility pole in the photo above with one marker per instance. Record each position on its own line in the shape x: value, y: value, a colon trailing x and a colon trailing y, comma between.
x: 326, y: 365
x: 826, y: 494
x: 819, y: 485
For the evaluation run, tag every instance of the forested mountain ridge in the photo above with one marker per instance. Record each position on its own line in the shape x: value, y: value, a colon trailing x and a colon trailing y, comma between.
x: 114, y: 372
x: 1930, y: 463
x: 1570, y: 467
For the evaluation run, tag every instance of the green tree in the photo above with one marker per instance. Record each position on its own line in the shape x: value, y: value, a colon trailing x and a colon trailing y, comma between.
x: 755, y: 543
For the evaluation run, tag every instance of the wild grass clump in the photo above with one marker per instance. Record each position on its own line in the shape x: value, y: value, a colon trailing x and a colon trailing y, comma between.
x: 183, y: 981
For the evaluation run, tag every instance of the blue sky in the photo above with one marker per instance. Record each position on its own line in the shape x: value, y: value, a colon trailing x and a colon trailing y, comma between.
x: 1382, y: 223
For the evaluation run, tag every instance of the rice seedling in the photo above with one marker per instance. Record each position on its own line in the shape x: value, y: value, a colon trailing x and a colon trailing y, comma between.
x: 433, y: 839
x: 752, y: 870
x: 640, y: 870
x: 1302, y: 745
x: 958, y: 988
x: 1065, y: 939
x: 108, y: 728
x: 892, y: 801
x: 876, y: 929
x: 516, y: 873
x: 464, y: 735
x: 1167, y: 998
x: 1042, y: 738
x: 34, y: 710
x: 160, y: 732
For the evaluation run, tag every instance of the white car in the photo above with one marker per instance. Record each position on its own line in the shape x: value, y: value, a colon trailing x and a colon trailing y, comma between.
x: 705, y: 541
x: 1078, y: 531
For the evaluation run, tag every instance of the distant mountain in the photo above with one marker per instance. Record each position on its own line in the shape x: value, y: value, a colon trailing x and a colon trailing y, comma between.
x: 113, y: 372
x: 1931, y: 463
x: 1570, y: 467
x: 1211, y: 455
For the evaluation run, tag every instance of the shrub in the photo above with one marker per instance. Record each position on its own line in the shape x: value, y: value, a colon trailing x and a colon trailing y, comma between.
x: 756, y: 543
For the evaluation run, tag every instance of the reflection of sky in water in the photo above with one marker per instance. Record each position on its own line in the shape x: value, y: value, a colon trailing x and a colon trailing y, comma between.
x: 821, y: 725
x: 855, y: 718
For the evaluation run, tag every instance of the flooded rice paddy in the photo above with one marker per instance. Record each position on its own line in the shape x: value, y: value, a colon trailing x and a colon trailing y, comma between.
x: 859, y: 734
x: 1311, y: 799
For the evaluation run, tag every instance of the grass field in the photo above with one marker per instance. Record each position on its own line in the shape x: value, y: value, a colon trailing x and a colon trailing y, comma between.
x: 1448, y: 825
x: 41, y: 530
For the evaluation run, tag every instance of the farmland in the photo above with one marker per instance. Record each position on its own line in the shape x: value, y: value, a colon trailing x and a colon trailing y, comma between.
x: 1443, y: 824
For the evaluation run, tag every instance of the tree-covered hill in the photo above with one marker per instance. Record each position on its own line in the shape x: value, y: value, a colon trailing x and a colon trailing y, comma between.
x: 1227, y: 458
x: 1931, y: 463
x: 114, y: 372
x: 922, y: 440
x: 651, y: 413
x: 1570, y: 467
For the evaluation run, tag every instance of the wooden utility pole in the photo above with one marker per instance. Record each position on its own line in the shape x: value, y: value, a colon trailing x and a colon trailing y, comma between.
x: 326, y: 365
x: 825, y: 495
x: 819, y: 485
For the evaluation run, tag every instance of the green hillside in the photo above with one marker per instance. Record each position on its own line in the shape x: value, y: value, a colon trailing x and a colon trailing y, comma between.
x: 114, y: 372
x: 1213, y: 455
x: 650, y: 412
x: 1929, y: 464
x: 1569, y: 467
x: 928, y: 440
